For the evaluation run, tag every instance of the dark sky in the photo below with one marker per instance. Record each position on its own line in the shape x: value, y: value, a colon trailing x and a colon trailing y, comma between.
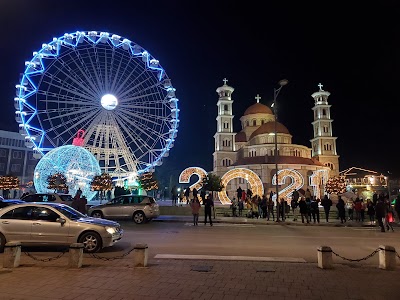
x: 352, y: 50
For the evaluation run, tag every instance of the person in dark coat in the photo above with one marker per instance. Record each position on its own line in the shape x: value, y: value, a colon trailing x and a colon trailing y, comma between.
x: 326, y: 203
x: 303, y: 210
x: 314, y: 207
x: 341, y: 207
x: 397, y: 206
x: 380, y: 212
x: 208, y: 207
x: 239, y: 193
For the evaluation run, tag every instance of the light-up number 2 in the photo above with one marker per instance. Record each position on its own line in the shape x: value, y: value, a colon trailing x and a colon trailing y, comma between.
x: 296, y: 184
x: 189, y: 172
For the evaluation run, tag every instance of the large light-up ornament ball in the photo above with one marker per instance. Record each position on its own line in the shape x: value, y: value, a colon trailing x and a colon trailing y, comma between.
x: 77, y: 164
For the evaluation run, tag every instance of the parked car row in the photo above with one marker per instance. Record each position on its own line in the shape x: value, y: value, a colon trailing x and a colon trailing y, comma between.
x: 48, y: 219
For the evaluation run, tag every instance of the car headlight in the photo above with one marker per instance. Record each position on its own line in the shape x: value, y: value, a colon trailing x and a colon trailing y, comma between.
x: 111, y: 230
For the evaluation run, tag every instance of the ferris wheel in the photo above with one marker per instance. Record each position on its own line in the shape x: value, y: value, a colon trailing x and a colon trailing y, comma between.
x: 106, y: 85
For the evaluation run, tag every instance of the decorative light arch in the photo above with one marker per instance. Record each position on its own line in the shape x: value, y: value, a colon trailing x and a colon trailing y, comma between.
x: 253, y: 179
x: 318, y: 178
x: 185, y: 175
x: 297, y: 182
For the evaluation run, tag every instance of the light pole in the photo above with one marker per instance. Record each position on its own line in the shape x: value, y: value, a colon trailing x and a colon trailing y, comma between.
x: 281, y: 83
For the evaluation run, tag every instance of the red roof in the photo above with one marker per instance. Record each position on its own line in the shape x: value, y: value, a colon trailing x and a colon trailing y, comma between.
x: 269, y: 127
x: 258, y: 108
x: 240, y: 137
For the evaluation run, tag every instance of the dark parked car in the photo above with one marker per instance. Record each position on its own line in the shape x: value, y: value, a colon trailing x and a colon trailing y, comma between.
x: 8, y: 202
x: 48, y: 197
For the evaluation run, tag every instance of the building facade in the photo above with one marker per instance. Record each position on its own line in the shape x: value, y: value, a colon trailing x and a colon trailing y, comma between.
x: 15, y: 158
x: 253, y: 147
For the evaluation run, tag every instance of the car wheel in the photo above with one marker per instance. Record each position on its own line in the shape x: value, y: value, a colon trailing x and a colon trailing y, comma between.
x: 91, y: 242
x: 139, y: 217
x: 2, y: 243
x: 97, y: 214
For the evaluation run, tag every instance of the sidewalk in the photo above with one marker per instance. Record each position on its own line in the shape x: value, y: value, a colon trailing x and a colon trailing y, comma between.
x: 170, y: 279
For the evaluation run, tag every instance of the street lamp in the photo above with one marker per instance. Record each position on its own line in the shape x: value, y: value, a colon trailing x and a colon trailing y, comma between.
x: 281, y: 83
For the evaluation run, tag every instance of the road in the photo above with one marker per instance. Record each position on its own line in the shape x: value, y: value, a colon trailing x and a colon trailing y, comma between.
x: 254, y: 240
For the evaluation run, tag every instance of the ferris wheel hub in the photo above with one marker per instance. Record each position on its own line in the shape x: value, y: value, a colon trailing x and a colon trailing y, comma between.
x: 109, y: 101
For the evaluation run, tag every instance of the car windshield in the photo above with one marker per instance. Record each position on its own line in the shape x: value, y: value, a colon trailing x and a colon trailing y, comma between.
x: 66, y: 197
x: 70, y: 213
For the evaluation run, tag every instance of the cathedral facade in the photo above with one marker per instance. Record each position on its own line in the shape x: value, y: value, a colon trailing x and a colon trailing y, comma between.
x: 299, y: 167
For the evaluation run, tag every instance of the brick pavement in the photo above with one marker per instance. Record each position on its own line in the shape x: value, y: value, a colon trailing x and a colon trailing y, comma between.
x: 178, y: 279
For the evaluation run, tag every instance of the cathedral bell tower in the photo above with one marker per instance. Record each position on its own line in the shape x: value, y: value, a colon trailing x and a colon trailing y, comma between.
x: 324, y: 144
x: 224, y: 154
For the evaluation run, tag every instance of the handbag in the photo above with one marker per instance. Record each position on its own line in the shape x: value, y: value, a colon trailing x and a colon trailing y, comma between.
x: 389, y: 217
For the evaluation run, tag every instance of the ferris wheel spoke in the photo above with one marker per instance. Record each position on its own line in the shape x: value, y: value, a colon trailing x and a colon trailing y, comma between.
x: 148, y: 118
x: 79, y: 112
x: 72, y: 75
x: 124, y: 100
x: 54, y: 98
x: 123, y: 121
x: 143, y: 90
x: 128, y: 89
x: 95, y: 71
x: 119, y: 75
x: 85, y: 72
x: 131, y: 75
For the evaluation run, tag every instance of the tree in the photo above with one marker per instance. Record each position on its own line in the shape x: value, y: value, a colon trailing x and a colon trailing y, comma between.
x: 57, y: 182
x: 148, y: 182
x: 101, y: 183
x: 336, y: 185
x: 7, y: 183
x: 212, y: 183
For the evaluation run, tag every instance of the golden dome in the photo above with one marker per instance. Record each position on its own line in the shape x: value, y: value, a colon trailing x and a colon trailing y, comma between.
x: 258, y: 108
x: 269, y: 127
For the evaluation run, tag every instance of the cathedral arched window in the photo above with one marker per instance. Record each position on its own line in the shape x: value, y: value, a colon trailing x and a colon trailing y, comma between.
x: 330, y: 165
x: 226, y: 162
x: 225, y: 107
x: 262, y: 121
x: 226, y: 125
x: 247, y: 123
x: 326, y: 129
x: 252, y: 153
x: 324, y: 112
x: 328, y: 147
x: 254, y: 122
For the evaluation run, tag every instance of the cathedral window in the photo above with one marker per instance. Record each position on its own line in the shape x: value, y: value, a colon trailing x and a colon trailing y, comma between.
x: 330, y: 165
x: 225, y: 107
x: 247, y: 123
x: 262, y: 122
x: 324, y: 112
x: 226, y: 125
x: 254, y: 122
x: 326, y: 129
x: 252, y: 153
x: 226, y: 162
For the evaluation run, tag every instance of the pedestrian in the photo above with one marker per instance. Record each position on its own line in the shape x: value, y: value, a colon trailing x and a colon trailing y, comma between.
x: 187, y: 193
x: 195, y: 206
x: 264, y: 206
x: 174, y: 194
x: 195, y: 192
x: 362, y: 211
x: 315, y: 209
x: 181, y: 197
x: 350, y: 209
x: 239, y: 193
x: 326, y: 203
x: 389, y: 217
x: 270, y: 209
x: 303, y: 210
x: 249, y: 194
x: 357, y: 209
x: 75, y: 200
x: 241, y: 206
x: 341, y: 210
x: 371, y: 211
x: 208, y: 207
x: 380, y: 212
x: 234, y: 206
x: 294, y: 204
x: 243, y: 197
x: 82, y: 205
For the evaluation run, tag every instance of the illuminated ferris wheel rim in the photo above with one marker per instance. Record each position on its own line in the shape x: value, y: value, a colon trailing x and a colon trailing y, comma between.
x: 26, y: 112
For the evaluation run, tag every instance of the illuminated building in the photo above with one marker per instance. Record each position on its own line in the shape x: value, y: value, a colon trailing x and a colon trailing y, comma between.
x: 253, y: 148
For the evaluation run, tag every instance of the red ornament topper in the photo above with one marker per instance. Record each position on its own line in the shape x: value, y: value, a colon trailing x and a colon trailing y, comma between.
x: 78, y: 140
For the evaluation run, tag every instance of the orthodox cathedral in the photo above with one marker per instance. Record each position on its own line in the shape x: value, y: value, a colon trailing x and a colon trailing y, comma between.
x: 253, y: 147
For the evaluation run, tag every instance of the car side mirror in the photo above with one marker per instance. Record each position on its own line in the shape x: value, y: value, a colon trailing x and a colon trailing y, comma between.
x: 61, y: 221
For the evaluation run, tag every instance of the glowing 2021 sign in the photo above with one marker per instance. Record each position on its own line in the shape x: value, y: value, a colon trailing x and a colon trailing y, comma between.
x: 317, y: 179
x: 297, y: 182
x: 253, y: 179
x: 189, y: 172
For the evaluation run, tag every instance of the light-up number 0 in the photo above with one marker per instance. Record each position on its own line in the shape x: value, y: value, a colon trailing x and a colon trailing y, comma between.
x: 297, y: 182
x: 189, y: 172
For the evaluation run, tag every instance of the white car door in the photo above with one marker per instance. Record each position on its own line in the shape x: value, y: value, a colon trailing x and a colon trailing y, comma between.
x: 45, y: 227
x: 16, y: 224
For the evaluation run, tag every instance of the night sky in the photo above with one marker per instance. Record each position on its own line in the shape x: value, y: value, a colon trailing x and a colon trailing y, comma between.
x: 352, y: 50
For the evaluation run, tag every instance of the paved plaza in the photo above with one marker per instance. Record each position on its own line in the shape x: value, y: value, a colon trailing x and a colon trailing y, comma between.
x: 195, y: 279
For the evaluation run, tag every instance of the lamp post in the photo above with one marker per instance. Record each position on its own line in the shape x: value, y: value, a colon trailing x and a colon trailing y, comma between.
x: 281, y: 83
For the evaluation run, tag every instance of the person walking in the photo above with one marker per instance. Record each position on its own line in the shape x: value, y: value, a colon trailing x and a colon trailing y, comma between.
x: 270, y: 209
x: 357, y: 208
x: 187, y: 194
x: 389, y: 216
x: 341, y: 210
x: 239, y: 193
x: 82, y: 205
x: 294, y: 204
x: 264, y: 206
x: 350, y: 209
x: 208, y: 207
x: 195, y: 206
x: 203, y: 194
x: 380, y: 213
x: 195, y: 192
x: 326, y: 204
x: 174, y: 195
x: 241, y: 206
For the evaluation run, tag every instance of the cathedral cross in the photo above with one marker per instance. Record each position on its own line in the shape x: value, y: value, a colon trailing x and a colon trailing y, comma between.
x: 320, y: 87
x: 258, y: 98
x: 225, y: 80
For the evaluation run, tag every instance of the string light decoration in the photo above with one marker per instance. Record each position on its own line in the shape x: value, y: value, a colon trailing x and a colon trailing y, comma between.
x: 185, y: 175
x: 336, y: 185
x: 57, y: 182
x: 101, y: 182
x: 9, y: 182
x: 77, y: 164
x: 252, y: 178
x: 297, y: 182
x: 148, y: 181
x: 318, y: 178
